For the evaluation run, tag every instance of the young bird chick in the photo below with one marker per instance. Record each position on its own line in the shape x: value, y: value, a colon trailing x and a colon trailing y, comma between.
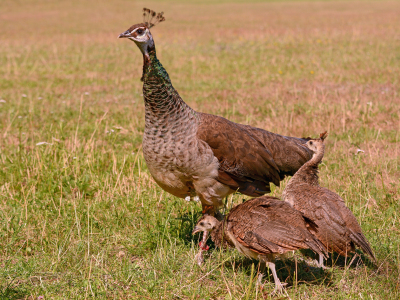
x: 338, y: 228
x: 263, y: 228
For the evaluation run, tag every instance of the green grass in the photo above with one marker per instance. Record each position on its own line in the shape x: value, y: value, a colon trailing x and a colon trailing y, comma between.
x: 80, y: 215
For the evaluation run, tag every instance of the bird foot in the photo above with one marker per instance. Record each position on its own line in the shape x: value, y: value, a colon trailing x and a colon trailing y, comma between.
x: 319, y: 265
x: 279, y: 289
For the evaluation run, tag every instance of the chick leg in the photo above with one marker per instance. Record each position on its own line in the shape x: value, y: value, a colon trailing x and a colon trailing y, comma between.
x: 278, y: 285
x: 320, y: 263
x: 199, y: 256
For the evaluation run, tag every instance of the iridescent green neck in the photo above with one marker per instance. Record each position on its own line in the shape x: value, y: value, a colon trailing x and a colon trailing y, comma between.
x: 153, y: 68
x: 160, y: 97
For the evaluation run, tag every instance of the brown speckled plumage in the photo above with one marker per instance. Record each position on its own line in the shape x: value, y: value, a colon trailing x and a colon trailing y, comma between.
x: 261, y: 228
x: 338, y: 228
x: 267, y: 225
x: 190, y: 153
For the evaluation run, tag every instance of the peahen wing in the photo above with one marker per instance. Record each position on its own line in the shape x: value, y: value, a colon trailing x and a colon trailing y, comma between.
x: 246, y: 154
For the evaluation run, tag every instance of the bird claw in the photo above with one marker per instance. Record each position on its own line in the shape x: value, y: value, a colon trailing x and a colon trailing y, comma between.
x: 279, y: 289
x: 319, y: 265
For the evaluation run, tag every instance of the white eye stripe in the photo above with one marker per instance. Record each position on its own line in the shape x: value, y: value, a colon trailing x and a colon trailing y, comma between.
x: 137, y: 29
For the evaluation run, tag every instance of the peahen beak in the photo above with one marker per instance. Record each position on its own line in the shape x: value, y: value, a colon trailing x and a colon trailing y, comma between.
x: 125, y: 34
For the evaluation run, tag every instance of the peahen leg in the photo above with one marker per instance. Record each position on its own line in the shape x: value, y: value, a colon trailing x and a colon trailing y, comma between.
x: 352, y: 260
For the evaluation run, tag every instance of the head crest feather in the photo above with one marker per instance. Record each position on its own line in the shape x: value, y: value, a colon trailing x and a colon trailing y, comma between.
x: 323, y: 135
x: 151, y: 18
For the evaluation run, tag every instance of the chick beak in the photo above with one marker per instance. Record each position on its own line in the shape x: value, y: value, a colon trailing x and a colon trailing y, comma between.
x: 125, y: 34
x: 196, y: 230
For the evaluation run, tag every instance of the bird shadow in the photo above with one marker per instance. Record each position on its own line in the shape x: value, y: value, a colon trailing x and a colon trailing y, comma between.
x: 338, y: 261
x: 307, y: 273
x: 184, y: 225
x: 286, y: 270
x: 12, y: 291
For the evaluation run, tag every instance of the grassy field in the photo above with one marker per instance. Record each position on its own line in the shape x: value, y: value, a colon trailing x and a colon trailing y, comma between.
x: 80, y: 215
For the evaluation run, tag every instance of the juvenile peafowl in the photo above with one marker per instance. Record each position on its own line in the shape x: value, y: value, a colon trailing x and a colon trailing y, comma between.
x: 338, y: 228
x: 263, y: 228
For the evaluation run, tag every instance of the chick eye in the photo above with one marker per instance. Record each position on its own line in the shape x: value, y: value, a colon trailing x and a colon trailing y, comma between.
x: 310, y: 143
x: 201, y: 224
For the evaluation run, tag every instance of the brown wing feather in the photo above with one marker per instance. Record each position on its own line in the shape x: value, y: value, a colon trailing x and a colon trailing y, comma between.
x: 248, y: 156
x: 331, y: 226
x: 289, y: 153
x: 354, y: 230
x: 337, y: 226
x: 268, y: 225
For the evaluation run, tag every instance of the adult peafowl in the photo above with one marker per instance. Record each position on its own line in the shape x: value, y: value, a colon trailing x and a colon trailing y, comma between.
x: 193, y: 154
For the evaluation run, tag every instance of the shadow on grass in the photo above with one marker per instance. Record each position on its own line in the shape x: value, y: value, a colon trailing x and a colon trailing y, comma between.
x: 306, y: 273
x: 12, y: 291
x: 185, y: 224
x: 338, y: 261
x: 285, y: 269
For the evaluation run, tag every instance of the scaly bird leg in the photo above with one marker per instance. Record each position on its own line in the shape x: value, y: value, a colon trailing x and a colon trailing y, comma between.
x: 203, y: 247
x: 278, y: 285
x: 320, y: 264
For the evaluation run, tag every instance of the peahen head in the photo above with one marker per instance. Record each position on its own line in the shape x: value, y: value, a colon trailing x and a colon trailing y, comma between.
x: 317, y: 145
x: 140, y: 33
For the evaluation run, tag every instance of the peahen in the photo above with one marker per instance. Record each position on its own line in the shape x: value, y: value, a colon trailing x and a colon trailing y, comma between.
x: 194, y: 154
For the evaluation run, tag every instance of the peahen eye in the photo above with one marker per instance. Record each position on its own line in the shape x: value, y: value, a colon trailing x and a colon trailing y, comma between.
x: 140, y: 31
